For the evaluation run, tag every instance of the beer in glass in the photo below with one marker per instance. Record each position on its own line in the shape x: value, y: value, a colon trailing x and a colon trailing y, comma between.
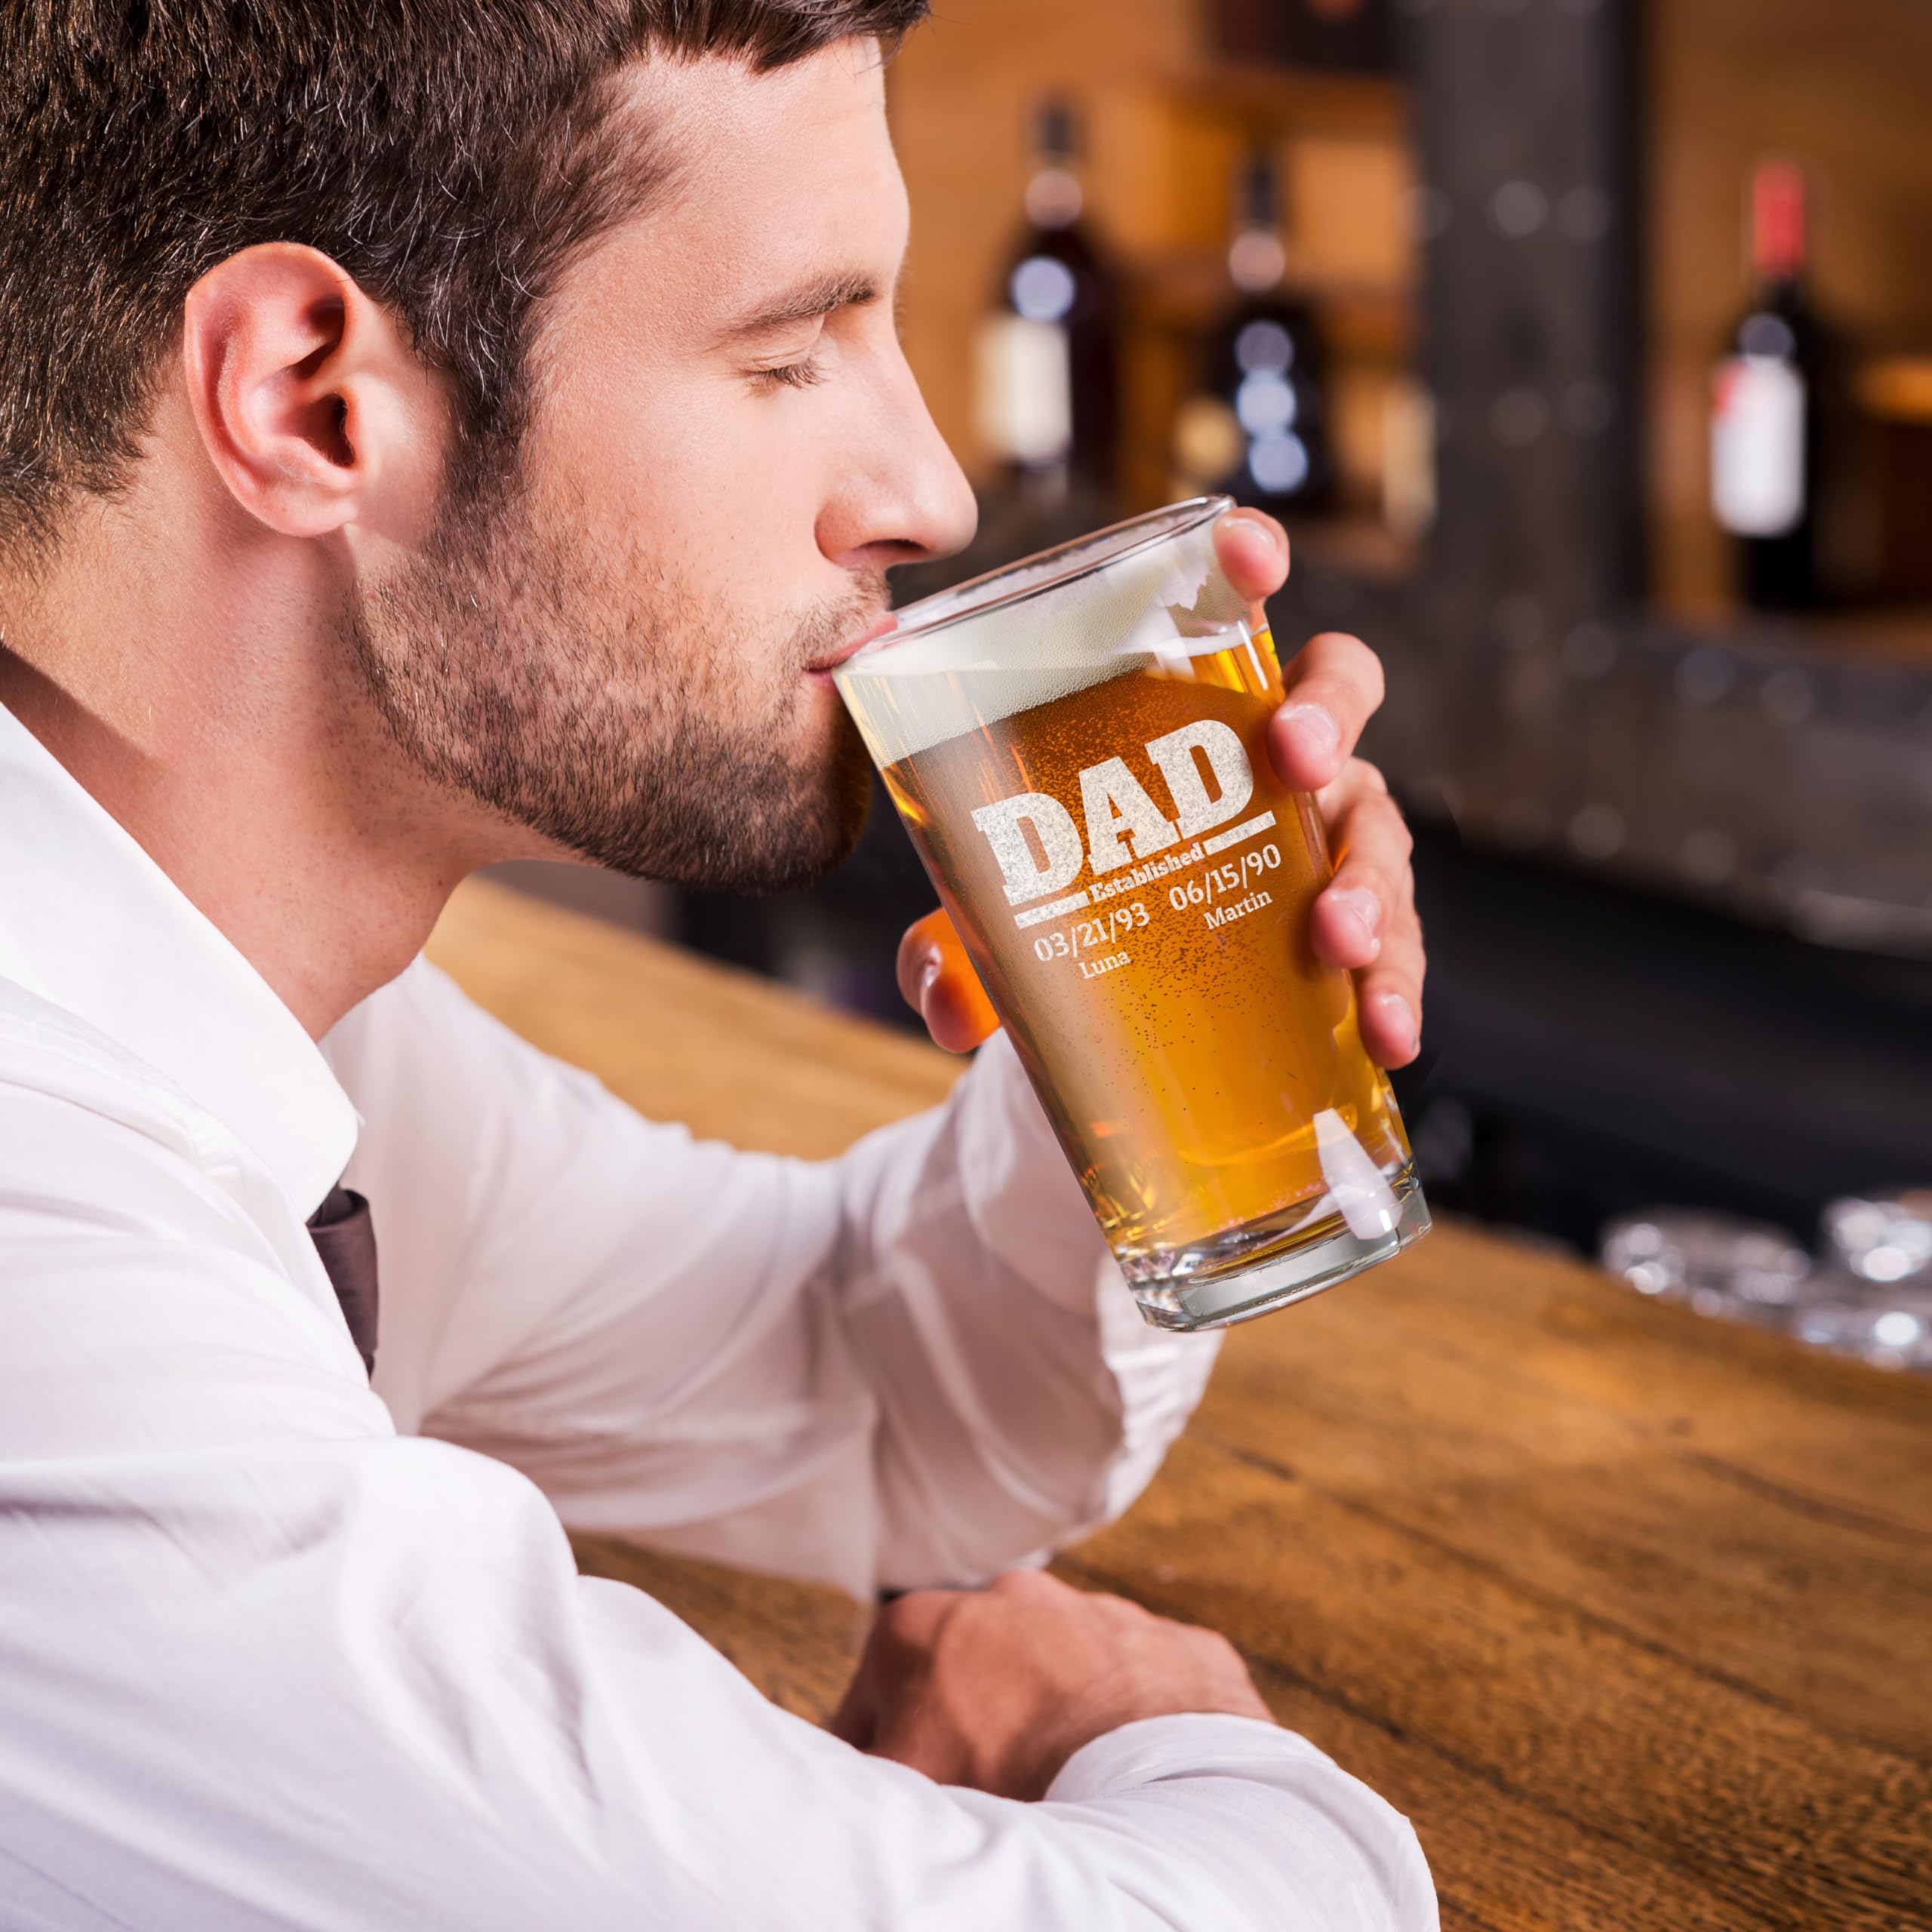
x: 1077, y: 745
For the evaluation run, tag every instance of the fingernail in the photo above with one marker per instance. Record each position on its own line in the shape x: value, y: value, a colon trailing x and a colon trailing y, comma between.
x: 1399, y: 1016
x: 1360, y: 907
x: 1317, y: 733
x: 1262, y: 526
x: 928, y: 978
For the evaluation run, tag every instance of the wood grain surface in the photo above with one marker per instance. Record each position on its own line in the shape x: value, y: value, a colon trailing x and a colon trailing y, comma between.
x: 1630, y: 1611
x: 732, y: 1056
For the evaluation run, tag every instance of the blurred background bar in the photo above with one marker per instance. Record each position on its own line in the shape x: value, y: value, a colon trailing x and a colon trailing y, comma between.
x: 1585, y: 349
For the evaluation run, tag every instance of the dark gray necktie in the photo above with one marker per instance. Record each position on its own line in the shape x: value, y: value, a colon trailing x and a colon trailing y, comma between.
x: 345, y: 1238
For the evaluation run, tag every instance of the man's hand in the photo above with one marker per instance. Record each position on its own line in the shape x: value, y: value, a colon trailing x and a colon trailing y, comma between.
x: 1365, y: 921
x: 997, y: 1688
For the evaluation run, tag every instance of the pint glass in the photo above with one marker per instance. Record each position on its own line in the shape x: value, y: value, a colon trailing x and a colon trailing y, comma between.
x: 1077, y: 745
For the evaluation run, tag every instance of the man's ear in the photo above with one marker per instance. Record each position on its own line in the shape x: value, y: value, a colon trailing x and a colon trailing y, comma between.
x: 312, y: 407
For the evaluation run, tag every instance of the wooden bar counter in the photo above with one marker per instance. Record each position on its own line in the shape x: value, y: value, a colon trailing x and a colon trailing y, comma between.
x: 1630, y: 1611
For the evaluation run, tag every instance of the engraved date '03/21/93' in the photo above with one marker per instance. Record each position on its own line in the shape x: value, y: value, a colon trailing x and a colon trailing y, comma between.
x: 1213, y: 889
x: 1088, y: 935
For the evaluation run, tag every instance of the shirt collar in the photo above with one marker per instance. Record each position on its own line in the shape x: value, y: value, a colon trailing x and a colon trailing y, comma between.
x: 90, y: 922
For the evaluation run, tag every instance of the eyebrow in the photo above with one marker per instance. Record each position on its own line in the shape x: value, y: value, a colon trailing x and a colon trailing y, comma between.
x: 804, y: 304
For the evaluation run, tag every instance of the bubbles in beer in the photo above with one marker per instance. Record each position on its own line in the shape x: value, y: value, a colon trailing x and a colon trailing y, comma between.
x: 1176, y: 1024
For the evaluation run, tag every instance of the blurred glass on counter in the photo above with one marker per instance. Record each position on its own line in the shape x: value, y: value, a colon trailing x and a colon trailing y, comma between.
x: 1883, y: 1240
x: 1896, y: 1333
x: 1744, y: 1271
x: 1876, y: 1282
x: 1868, y: 1293
x: 1256, y: 427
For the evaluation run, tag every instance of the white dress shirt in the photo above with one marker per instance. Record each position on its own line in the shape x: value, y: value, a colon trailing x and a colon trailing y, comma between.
x: 280, y: 1649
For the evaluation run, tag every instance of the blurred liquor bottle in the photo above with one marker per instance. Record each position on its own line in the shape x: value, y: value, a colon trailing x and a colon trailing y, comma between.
x: 1340, y: 36
x: 1256, y: 424
x: 1048, y: 403
x: 1770, y: 460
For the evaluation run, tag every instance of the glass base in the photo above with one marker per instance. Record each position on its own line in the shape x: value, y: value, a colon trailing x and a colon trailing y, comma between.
x: 1255, y: 1269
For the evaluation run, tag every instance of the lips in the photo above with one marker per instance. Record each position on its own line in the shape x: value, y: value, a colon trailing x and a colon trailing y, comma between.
x: 852, y: 646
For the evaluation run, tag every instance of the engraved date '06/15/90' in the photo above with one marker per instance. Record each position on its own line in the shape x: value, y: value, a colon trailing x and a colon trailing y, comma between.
x: 1221, y: 882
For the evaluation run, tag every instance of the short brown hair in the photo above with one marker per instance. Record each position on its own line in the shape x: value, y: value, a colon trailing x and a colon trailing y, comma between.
x: 449, y: 155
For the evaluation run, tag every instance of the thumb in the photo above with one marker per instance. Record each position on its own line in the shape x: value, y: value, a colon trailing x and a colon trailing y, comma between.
x: 937, y: 981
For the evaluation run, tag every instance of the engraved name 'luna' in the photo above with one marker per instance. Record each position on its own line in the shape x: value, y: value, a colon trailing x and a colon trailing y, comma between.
x: 1124, y: 825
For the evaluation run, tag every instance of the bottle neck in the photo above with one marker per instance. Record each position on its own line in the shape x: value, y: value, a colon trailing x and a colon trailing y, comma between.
x: 1054, y: 196
x: 1777, y: 225
x: 1256, y: 261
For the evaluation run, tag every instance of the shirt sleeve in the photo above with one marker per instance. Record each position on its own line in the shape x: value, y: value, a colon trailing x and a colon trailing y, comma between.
x: 267, y: 1663
x: 914, y: 1365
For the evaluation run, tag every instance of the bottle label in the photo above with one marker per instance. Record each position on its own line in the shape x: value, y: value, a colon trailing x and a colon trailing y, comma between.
x: 1758, y: 446
x: 1025, y: 411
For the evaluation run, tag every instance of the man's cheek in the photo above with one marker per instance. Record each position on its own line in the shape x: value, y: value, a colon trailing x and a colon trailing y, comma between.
x: 770, y: 486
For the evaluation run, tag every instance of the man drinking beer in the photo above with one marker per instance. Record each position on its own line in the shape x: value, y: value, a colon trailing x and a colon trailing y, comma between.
x: 431, y: 435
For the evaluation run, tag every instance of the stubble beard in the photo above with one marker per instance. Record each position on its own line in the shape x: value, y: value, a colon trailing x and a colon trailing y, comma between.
x: 595, y: 700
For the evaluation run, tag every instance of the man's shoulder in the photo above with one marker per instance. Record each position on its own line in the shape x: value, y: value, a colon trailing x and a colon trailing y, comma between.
x: 51, y: 1058
x: 157, y: 1281
x: 96, y: 1146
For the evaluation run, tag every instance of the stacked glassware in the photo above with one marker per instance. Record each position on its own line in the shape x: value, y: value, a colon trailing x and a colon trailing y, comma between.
x: 1867, y: 1292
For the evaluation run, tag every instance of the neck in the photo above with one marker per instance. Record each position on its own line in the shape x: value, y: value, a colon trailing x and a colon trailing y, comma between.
x: 193, y: 687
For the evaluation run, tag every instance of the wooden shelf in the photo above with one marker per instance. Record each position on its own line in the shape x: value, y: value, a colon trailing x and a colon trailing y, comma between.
x: 1369, y: 106
x: 1897, y: 389
x: 1187, y: 289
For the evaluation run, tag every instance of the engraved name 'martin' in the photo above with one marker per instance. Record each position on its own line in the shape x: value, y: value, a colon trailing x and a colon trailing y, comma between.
x: 1123, y: 824
x: 1222, y: 915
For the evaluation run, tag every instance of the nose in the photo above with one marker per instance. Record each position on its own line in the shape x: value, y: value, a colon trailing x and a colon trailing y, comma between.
x: 903, y: 497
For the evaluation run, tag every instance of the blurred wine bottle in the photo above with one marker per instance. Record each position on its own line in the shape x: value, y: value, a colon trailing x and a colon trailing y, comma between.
x: 1256, y: 425
x: 1770, y: 457
x: 1048, y: 403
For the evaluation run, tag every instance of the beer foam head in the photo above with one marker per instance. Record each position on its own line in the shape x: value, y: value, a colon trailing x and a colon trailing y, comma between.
x: 1139, y: 594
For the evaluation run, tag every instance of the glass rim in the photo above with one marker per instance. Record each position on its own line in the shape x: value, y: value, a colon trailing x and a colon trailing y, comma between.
x: 1077, y: 557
